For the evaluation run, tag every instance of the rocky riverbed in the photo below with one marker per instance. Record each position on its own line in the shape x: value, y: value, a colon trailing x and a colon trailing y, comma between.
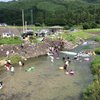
x: 28, y: 50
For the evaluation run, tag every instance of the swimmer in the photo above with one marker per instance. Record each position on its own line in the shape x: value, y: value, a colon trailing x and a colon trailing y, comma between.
x: 1, y: 85
x: 12, y: 69
x: 52, y: 58
x: 21, y: 63
x: 71, y: 72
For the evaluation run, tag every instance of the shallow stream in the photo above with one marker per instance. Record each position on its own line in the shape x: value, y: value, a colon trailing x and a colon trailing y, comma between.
x: 47, y: 81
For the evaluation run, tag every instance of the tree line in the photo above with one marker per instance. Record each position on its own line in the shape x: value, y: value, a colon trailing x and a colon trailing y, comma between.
x: 51, y: 12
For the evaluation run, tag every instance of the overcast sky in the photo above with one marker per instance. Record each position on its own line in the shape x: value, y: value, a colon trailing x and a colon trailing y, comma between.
x: 5, y: 0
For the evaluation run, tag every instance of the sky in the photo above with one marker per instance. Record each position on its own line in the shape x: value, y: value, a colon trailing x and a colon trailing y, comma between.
x: 5, y: 0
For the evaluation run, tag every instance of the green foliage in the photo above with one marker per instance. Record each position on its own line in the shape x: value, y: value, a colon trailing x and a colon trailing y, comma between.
x: 33, y: 39
x: 96, y: 30
x: 93, y: 25
x: 82, y: 34
x: 93, y: 90
x: 97, y: 38
x: 66, y: 27
x: 69, y: 37
x: 75, y: 36
x: 86, y: 26
x: 97, y: 50
x: 95, y: 66
x: 89, y: 25
x: 15, y: 59
x: 51, y: 12
x: 11, y: 40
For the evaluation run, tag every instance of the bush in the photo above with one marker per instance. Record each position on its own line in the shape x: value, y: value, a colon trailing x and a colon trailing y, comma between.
x: 97, y: 50
x: 86, y: 26
x: 66, y: 27
x: 97, y: 39
x: 95, y: 66
x: 37, y: 24
x: 69, y: 37
x: 33, y: 39
x: 93, y: 25
x: 15, y: 59
x: 93, y: 90
x: 90, y: 25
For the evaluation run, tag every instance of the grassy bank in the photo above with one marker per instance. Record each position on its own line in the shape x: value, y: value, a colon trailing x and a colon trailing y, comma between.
x: 97, y: 50
x: 93, y: 90
x: 75, y: 36
x: 97, y: 38
x: 15, y: 59
x: 15, y: 40
x: 96, y: 30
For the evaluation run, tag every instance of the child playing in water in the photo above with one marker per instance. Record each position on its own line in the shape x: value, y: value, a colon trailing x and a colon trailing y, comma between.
x: 71, y: 72
x: 21, y: 63
x: 66, y: 63
x: 12, y: 69
x: 1, y: 84
x: 52, y: 58
x: 7, y: 65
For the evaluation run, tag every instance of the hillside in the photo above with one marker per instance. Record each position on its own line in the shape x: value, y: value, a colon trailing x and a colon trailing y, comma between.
x: 50, y: 12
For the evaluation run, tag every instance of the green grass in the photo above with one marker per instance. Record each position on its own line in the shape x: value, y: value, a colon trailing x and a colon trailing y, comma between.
x: 96, y: 30
x: 97, y: 50
x: 74, y: 36
x: 93, y: 90
x: 82, y: 34
x: 10, y: 40
x: 28, y: 27
x: 15, y: 59
x: 95, y: 66
x: 97, y: 38
x: 69, y: 37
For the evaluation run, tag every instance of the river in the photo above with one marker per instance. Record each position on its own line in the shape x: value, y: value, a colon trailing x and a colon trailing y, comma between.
x: 46, y: 81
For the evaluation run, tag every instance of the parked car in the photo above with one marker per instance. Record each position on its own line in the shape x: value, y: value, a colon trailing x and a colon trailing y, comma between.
x: 6, y: 35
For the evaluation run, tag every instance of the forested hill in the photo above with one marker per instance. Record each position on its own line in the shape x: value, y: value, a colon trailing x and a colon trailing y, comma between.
x: 50, y: 12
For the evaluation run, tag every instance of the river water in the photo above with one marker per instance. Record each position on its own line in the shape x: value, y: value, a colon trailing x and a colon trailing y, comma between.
x: 47, y: 81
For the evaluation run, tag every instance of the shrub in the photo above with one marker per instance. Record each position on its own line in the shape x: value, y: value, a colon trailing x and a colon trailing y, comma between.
x: 37, y: 24
x: 15, y: 59
x: 66, y: 27
x: 93, y: 25
x: 95, y: 66
x: 93, y: 90
x: 69, y: 37
x: 97, y: 39
x: 97, y: 50
x: 86, y: 26
x: 90, y: 25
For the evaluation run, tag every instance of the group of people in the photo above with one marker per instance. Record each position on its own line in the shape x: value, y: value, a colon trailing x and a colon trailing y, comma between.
x: 53, y: 53
x: 9, y: 66
x: 67, y: 61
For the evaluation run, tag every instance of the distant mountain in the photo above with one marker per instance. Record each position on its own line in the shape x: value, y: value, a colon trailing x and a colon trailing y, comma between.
x: 92, y: 1
x: 50, y: 12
